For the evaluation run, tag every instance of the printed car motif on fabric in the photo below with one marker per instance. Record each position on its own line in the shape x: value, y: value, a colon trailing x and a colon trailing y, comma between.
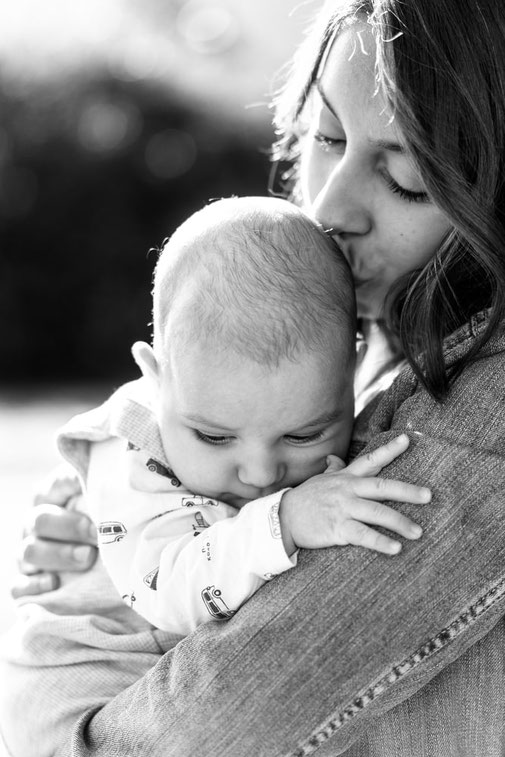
x: 215, y: 604
x: 196, y: 500
x: 111, y: 531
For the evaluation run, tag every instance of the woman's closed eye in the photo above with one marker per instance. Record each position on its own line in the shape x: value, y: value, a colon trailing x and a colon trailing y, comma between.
x: 327, y: 143
x: 406, y: 194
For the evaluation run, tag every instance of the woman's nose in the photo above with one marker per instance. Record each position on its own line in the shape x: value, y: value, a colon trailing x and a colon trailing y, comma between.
x: 341, y: 203
x: 261, y: 470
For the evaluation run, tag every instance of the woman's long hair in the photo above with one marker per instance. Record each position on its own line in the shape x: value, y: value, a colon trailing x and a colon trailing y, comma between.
x: 441, y: 67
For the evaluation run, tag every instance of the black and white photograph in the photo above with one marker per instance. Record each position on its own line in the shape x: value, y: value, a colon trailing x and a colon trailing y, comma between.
x: 252, y: 385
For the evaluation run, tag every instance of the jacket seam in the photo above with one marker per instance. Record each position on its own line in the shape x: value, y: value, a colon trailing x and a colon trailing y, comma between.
x: 399, y: 671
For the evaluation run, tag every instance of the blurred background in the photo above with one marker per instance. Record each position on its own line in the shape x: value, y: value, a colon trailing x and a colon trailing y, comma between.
x: 117, y: 120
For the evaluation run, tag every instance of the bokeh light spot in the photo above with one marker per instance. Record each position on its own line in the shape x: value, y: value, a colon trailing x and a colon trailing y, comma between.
x: 106, y: 126
x: 207, y: 28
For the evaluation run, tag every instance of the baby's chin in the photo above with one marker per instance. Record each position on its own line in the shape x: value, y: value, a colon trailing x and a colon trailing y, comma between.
x: 237, y: 501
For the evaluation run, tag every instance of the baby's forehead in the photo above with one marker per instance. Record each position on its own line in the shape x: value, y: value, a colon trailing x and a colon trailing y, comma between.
x: 225, y: 390
x: 187, y: 358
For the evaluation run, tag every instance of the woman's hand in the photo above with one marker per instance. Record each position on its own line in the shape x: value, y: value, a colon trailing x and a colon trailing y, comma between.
x: 55, y: 537
x: 335, y: 507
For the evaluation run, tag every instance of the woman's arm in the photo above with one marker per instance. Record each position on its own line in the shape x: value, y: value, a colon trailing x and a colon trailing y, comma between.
x: 320, y: 651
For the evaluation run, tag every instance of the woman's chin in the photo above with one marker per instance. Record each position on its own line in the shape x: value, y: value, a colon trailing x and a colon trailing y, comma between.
x: 369, y: 311
x: 370, y: 302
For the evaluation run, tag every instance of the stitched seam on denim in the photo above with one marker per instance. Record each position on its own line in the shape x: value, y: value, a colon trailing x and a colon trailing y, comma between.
x: 468, y: 331
x: 427, y: 650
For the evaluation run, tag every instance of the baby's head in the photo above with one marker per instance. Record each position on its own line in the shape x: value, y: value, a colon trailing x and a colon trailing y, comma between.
x: 253, y: 349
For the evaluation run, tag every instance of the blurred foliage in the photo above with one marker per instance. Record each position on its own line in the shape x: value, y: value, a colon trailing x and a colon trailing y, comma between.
x: 92, y: 177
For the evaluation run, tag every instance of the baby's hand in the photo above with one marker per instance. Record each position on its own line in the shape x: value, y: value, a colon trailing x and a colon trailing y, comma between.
x: 334, y: 507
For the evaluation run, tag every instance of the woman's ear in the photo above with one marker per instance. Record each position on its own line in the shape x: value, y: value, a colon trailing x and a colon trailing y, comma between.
x: 145, y: 358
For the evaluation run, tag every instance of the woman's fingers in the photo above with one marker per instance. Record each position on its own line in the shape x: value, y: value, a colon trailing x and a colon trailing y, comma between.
x: 31, y: 585
x: 373, y: 462
x: 59, y: 524
x: 57, y: 539
x: 62, y: 484
x: 50, y: 555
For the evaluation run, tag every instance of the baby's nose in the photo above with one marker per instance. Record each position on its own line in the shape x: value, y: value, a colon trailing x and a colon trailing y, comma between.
x: 261, y: 471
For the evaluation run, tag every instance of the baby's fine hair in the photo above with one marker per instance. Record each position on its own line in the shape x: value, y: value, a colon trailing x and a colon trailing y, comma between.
x: 255, y: 275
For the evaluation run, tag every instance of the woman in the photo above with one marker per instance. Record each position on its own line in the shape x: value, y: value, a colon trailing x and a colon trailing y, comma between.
x: 395, y: 118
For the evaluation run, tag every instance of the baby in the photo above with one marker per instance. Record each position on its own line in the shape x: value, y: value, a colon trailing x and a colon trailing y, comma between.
x: 246, y: 393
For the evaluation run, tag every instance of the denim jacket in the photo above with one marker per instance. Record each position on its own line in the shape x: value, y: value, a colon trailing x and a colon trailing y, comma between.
x: 355, y: 652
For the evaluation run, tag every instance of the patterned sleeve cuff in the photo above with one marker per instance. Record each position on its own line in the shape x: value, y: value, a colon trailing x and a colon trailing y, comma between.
x: 264, y: 528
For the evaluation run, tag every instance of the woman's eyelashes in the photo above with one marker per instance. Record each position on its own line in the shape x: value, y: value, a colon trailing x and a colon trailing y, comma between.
x: 406, y: 194
x: 326, y: 143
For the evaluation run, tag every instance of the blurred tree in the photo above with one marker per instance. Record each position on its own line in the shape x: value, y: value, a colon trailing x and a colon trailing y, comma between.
x: 91, y: 179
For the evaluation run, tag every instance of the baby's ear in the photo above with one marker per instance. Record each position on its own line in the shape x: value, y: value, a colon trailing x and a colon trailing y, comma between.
x: 145, y: 358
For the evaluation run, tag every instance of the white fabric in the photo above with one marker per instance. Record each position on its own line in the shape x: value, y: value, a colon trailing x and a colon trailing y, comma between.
x: 177, y: 558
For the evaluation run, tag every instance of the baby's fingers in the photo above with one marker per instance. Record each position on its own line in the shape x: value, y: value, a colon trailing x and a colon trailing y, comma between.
x: 373, y: 462
x: 361, y: 535
x: 388, y: 489
x: 376, y: 514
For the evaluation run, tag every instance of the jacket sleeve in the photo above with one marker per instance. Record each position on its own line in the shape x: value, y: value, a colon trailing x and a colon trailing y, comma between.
x: 319, y: 652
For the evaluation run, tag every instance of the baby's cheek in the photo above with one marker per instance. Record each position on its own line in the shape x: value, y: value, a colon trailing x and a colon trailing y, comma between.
x: 307, y: 468
x: 208, y: 475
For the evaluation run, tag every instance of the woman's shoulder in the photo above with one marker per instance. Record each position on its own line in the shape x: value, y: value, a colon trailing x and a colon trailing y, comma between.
x: 461, y: 342
x: 473, y: 407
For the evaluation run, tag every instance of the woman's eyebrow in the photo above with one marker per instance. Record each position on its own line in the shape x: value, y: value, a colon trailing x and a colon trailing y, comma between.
x: 383, y: 144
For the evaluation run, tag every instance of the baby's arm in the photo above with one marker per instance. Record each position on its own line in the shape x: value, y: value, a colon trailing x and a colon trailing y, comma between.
x: 178, y: 559
x: 201, y: 563
x: 341, y: 508
x: 209, y: 575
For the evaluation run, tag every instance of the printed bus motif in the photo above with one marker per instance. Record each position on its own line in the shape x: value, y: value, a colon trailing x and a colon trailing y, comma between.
x: 110, y: 531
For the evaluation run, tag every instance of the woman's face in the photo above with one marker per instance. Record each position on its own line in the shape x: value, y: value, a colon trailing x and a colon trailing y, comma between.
x: 357, y: 178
